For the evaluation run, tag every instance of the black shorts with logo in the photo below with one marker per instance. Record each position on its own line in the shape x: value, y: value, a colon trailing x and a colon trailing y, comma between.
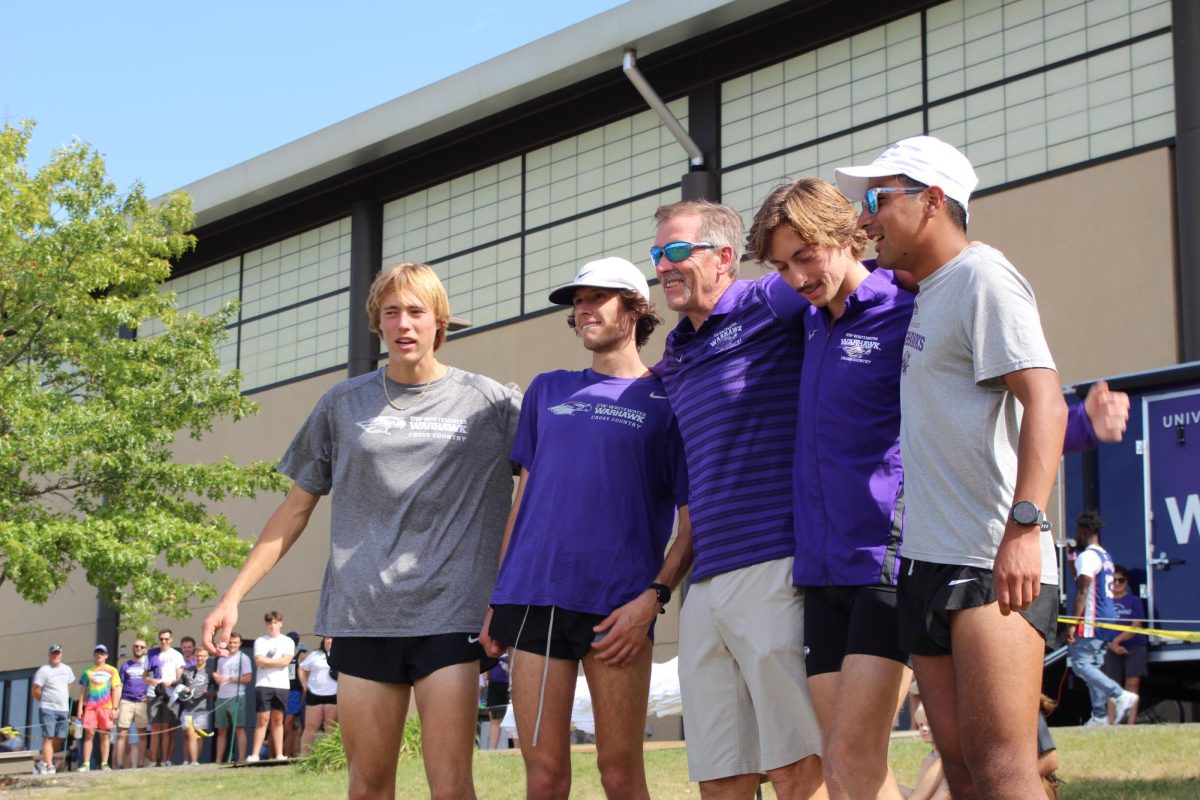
x: 929, y: 592
x: 528, y: 628
x: 405, y: 659
x: 849, y: 620
x: 270, y: 698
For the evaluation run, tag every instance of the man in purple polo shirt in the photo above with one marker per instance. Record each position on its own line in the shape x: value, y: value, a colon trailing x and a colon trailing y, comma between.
x: 977, y: 546
x: 848, y: 486
x: 602, y: 473
x: 732, y: 371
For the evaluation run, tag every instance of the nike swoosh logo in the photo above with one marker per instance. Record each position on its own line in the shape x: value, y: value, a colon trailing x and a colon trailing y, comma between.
x: 812, y: 334
x: 961, y: 580
x: 658, y: 396
x: 472, y: 639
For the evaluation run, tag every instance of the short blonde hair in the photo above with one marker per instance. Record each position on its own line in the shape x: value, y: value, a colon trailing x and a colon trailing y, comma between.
x: 422, y: 281
x: 812, y: 208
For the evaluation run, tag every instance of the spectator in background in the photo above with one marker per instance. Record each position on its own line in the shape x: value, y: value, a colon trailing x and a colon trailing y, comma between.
x: 931, y: 780
x: 1086, y: 641
x: 98, y: 704
x: 52, y: 692
x: 497, y: 699
x: 231, y: 677
x: 133, y: 712
x: 320, y: 693
x: 293, y: 720
x: 187, y: 647
x: 1125, y: 660
x: 273, y: 653
x: 193, y: 696
x: 166, y: 666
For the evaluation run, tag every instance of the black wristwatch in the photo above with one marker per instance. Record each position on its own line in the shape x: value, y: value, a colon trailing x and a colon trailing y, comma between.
x: 1024, y: 512
x: 663, y: 592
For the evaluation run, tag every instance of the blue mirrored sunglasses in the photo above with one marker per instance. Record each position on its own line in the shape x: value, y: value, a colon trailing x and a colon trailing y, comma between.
x: 871, y: 201
x: 677, y: 251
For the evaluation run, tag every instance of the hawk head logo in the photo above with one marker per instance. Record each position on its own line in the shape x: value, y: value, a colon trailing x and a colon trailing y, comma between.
x: 570, y: 407
x: 384, y: 425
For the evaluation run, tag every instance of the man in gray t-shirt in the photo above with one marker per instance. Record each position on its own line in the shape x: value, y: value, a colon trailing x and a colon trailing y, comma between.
x: 982, y: 421
x: 52, y: 690
x: 415, y: 456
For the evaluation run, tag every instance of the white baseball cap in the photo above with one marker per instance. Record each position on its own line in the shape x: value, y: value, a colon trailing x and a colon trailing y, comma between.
x: 604, y: 273
x: 925, y: 159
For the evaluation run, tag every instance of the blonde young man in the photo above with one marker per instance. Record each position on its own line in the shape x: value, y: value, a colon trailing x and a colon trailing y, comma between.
x: 415, y: 456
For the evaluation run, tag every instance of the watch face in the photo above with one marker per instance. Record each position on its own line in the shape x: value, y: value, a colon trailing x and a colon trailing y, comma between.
x: 1025, y: 513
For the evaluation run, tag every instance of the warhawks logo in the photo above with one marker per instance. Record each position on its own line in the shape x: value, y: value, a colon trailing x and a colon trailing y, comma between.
x: 386, y: 425
x: 569, y: 408
x: 857, y: 348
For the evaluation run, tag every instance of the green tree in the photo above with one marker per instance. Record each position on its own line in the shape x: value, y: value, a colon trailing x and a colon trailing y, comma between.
x: 90, y: 412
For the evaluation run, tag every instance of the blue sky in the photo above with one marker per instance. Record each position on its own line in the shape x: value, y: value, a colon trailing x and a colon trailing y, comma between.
x: 172, y: 92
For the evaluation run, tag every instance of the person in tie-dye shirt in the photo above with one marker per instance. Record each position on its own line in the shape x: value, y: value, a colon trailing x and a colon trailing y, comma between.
x: 98, y: 705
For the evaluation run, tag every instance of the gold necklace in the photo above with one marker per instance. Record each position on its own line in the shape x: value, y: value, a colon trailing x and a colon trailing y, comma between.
x: 392, y: 403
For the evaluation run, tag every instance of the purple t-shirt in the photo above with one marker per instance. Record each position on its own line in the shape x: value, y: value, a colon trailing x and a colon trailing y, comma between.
x: 1129, y: 608
x: 848, y: 479
x: 734, y: 385
x: 134, y: 687
x: 606, y: 472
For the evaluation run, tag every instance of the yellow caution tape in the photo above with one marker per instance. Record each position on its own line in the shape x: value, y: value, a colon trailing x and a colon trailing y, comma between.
x: 1187, y: 636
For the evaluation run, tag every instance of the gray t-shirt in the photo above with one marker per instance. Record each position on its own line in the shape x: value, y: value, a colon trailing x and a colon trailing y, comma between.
x: 974, y: 321
x: 56, y: 686
x: 420, y: 498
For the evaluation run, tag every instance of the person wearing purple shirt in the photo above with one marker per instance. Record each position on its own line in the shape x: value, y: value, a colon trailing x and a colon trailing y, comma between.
x: 732, y: 369
x: 583, y: 574
x: 848, y: 481
x: 1125, y: 659
x: 133, y: 708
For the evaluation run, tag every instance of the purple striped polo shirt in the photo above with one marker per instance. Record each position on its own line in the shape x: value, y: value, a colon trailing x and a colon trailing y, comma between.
x: 734, y: 386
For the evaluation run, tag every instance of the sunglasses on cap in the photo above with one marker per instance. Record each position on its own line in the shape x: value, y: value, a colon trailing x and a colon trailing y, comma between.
x: 677, y: 251
x: 871, y: 201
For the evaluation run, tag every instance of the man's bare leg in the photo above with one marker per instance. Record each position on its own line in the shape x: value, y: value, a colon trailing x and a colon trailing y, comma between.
x: 448, y: 704
x: 800, y: 780
x: 548, y: 765
x: 372, y: 716
x: 261, y: 720
x: 855, y: 708
x: 277, y: 733
x: 619, y: 699
x: 982, y: 704
x: 735, y: 787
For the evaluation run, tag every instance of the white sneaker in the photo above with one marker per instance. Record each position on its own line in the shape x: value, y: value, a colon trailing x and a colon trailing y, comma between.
x: 281, y: 758
x: 85, y: 767
x: 106, y: 768
x: 1125, y: 703
x: 251, y: 758
x: 48, y: 769
x: 1096, y: 722
x: 38, y: 768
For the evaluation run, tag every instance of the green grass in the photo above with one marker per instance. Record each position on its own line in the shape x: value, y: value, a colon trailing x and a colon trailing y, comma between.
x: 1144, y: 762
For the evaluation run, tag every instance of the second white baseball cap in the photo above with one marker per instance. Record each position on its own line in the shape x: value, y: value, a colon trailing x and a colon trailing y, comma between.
x: 925, y: 159
x: 604, y: 273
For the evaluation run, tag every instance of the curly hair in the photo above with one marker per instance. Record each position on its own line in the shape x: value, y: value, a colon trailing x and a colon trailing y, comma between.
x: 1090, y: 520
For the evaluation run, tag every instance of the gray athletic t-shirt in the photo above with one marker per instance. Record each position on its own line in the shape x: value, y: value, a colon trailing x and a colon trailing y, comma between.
x: 974, y: 321
x: 420, y: 498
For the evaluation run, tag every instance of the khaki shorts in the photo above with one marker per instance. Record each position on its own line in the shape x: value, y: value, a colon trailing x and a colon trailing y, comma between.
x: 133, y: 713
x: 746, y: 707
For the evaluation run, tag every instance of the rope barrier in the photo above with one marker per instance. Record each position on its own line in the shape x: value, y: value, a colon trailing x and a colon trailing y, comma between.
x: 1187, y: 636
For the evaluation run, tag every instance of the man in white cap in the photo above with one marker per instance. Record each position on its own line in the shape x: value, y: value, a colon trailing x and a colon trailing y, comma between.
x: 583, y: 574
x: 982, y: 422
